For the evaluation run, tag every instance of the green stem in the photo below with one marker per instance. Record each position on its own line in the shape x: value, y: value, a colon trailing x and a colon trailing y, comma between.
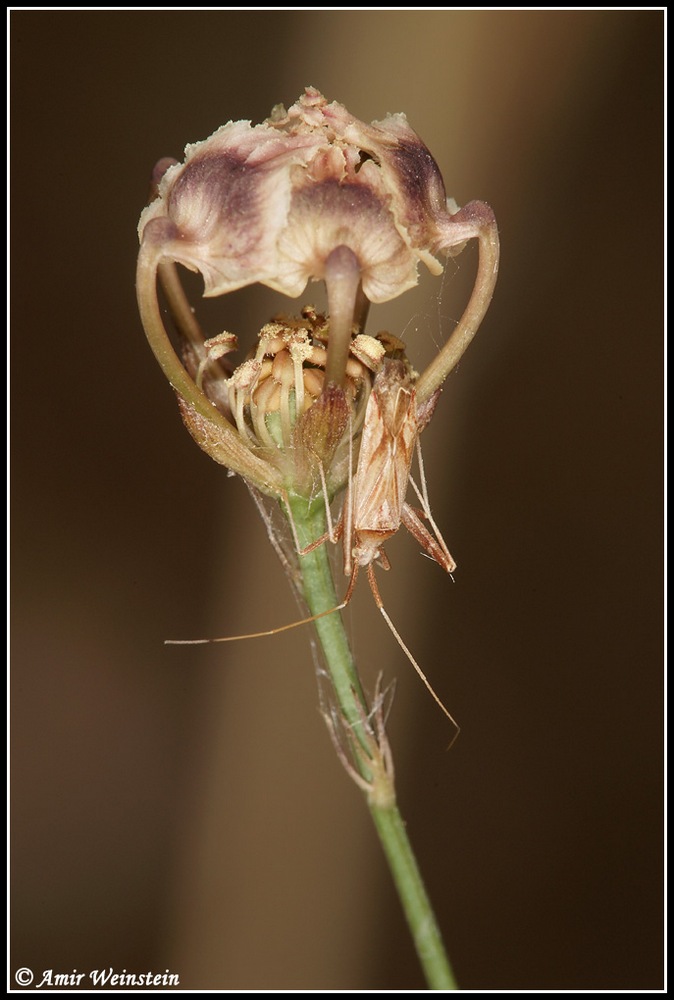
x: 319, y: 593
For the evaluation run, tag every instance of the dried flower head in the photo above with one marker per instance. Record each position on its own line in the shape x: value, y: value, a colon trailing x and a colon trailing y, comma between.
x: 278, y: 400
x: 310, y: 194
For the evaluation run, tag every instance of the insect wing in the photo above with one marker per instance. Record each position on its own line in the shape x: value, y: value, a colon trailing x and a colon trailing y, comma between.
x: 385, y: 459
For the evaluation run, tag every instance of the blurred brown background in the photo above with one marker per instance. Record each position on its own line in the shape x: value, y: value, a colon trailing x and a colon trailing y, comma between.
x: 182, y: 808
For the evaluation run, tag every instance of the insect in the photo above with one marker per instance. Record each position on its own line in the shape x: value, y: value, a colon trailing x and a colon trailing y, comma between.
x: 375, y: 505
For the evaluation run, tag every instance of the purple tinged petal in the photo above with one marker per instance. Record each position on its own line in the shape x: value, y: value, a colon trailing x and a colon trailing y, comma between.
x: 269, y: 203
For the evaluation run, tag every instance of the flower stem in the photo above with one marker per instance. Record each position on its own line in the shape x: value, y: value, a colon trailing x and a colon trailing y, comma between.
x: 368, y: 755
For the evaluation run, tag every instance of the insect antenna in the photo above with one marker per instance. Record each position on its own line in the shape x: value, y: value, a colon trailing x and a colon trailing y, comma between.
x: 256, y: 635
x: 331, y: 535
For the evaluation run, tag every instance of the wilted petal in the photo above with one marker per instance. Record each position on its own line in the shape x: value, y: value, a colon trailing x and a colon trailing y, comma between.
x: 269, y: 203
x: 413, y: 180
x: 351, y: 214
x: 221, y: 212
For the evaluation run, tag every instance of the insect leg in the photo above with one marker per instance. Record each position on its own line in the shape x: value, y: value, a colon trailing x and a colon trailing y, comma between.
x: 447, y: 562
x: 435, y: 547
x: 396, y: 635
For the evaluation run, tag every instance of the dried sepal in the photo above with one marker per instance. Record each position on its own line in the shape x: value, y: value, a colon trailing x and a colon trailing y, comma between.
x: 224, y: 446
x: 323, y: 427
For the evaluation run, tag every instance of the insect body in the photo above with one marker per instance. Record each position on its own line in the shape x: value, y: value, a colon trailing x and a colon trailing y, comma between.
x: 375, y: 505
